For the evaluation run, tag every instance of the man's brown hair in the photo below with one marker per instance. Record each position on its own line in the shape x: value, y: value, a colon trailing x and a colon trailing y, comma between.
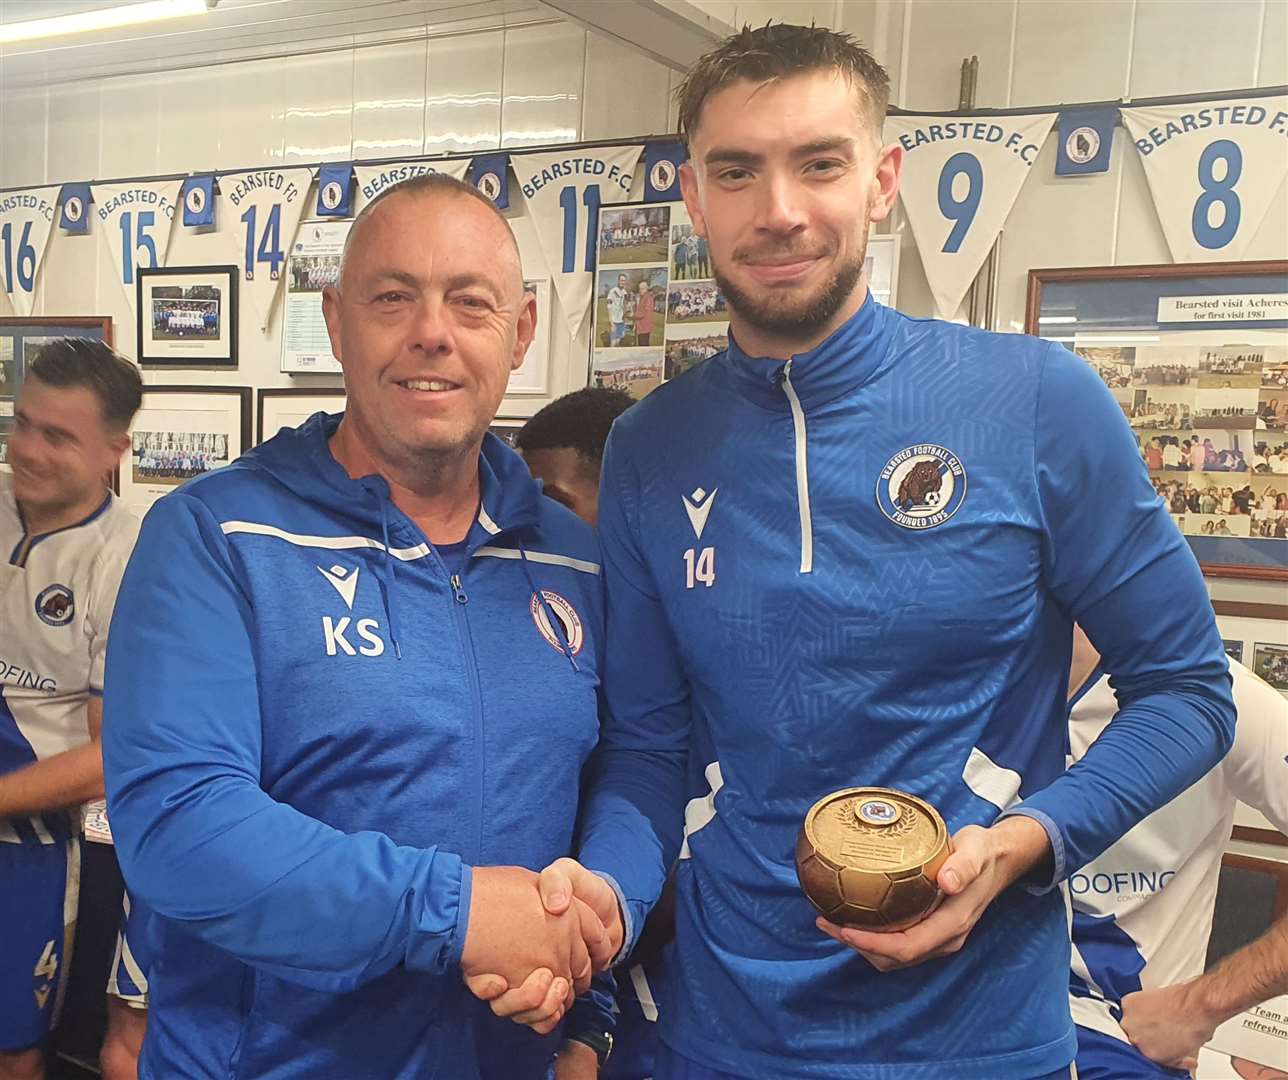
x: 777, y: 52
x: 97, y: 367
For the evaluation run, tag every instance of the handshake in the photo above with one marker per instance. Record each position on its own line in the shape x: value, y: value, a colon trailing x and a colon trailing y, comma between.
x: 534, y: 942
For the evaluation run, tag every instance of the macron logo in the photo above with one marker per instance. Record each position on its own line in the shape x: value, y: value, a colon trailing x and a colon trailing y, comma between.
x: 344, y: 580
x: 698, y: 507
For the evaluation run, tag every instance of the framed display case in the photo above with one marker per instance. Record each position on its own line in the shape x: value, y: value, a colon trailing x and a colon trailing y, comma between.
x: 1196, y: 354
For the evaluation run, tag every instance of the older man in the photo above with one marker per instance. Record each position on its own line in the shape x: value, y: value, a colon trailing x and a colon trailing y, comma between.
x: 354, y: 686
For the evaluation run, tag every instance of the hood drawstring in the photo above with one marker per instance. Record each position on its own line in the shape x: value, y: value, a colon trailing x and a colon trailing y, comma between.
x: 555, y: 625
x: 388, y: 568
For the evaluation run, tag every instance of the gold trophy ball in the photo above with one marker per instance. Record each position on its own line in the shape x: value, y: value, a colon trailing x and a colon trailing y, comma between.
x: 869, y: 858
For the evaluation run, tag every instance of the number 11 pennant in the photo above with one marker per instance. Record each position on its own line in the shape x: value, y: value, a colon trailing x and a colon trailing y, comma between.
x: 259, y: 217
x: 961, y: 176
x: 564, y: 191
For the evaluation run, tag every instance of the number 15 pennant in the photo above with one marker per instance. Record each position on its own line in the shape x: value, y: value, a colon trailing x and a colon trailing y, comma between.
x: 261, y: 213
x: 961, y: 176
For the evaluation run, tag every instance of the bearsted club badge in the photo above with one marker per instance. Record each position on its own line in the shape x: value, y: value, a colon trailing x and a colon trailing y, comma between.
x: 921, y: 486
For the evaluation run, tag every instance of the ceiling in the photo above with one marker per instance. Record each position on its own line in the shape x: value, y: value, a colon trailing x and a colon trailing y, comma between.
x: 238, y: 30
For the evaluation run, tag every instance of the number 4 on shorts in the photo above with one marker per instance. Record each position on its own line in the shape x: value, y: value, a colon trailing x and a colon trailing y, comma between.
x: 47, y: 966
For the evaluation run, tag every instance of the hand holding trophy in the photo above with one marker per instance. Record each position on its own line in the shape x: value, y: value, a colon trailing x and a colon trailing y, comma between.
x: 869, y: 858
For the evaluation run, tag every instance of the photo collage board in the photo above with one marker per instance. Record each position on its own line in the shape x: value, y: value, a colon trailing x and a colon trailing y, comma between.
x: 1210, y: 415
x: 657, y: 310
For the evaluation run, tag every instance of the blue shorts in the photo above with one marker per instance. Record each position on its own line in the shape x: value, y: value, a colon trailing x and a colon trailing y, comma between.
x: 129, y: 976
x: 39, y: 889
x: 670, y: 1066
x: 1102, y: 1057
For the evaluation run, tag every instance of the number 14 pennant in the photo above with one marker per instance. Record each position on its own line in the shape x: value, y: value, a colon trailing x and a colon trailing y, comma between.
x: 961, y: 176
x: 261, y: 213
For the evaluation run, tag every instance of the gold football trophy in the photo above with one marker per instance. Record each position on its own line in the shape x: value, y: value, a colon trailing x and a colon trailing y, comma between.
x: 869, y: 858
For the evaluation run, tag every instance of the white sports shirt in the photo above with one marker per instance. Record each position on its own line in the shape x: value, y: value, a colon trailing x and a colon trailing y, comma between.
x: 57, y: 591
x: 1142, y: 912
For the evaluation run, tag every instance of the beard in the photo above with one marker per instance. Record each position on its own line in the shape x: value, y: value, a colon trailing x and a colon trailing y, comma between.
x: 792, y: 316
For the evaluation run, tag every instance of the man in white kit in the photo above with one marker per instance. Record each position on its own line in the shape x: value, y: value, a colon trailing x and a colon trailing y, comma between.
x: 1142, y: 911
x: 65, y: 540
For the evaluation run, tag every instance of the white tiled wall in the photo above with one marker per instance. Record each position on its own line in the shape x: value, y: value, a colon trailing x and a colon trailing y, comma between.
x: 469, y: 92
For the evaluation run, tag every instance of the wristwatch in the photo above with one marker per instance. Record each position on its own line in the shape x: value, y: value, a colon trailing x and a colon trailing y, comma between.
x: 599, y: 1041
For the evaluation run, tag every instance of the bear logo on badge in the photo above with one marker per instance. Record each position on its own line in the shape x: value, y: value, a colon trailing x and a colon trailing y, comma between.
x: 332, y: 193
x: 1082, y: 145
x: 921, y: 486
x: 490, y: 185
x: 662, y: 175
x: 55, y: 605
x: 196, y: 200
x: 570, y: 626
x: 74, y: 209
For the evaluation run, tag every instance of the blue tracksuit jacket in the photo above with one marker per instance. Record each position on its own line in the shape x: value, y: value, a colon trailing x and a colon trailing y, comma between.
x: 315, y: 724
x: 861, y: 567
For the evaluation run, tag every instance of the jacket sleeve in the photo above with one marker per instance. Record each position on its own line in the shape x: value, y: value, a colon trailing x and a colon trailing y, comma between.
x: 594, y: 1011
x: 1257, y: 766
x: 1116, y: 562
x: 200, y: 842
x: 633, y: 812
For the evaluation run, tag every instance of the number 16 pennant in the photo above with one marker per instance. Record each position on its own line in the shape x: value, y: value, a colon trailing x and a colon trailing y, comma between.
x: 961, y: 176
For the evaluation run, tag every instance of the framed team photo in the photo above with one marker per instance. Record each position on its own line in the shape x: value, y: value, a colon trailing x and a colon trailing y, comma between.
x: 290, y: 406
x: 1196, y: 355
x: 634, y: 234
x: 1233, y: 649
x: 186, y: 316
x: 178, y: 434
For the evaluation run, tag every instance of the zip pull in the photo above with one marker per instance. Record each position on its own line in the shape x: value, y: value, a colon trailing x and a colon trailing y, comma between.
x: 458, y: 591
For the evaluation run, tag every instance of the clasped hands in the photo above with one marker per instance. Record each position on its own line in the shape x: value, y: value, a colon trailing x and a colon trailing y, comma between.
x: 534, y: 941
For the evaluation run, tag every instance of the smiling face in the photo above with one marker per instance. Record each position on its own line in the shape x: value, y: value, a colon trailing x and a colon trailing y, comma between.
x: 429, y: 320
x: 783, y: 180
x: 61, y: 448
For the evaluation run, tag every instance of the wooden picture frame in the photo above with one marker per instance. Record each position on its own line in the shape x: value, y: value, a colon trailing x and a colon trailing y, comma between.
x: 1206, y: 308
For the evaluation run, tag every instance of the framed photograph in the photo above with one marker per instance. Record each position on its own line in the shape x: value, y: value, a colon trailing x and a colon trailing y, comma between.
x: 533, y: 376
x: 506, y: 428
x: 290, y: 406
x: 186, y: 316
x: 314, y: 264
x: 21, y: 337
x: 181, y: 432
x: 1196, y: 355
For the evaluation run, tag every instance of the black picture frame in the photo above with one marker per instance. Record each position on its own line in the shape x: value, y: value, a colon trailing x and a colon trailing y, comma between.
x: 169, y: 344
x: 269, y: 395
